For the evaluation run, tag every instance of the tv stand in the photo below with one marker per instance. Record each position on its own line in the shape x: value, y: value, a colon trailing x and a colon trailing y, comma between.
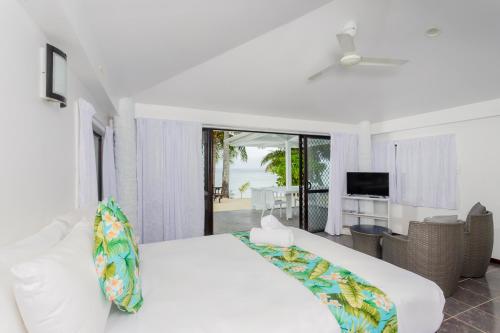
x: 357, y: 212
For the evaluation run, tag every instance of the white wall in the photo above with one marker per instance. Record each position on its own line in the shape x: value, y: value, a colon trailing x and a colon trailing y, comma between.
x: 37, y: 138
x: 477, y: 130
x: 125, y: 136
x: 126, y: 158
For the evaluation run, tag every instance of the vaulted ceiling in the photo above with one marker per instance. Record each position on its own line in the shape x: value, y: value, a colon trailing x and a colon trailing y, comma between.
x: 146, y: 42
x: 254, y: 56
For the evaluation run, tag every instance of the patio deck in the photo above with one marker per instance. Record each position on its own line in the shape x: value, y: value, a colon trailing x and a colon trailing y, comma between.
x: 243, y: 220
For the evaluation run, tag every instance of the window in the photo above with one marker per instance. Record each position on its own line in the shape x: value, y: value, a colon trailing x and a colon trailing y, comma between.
x: 423, y: 171
x: 98, y: 142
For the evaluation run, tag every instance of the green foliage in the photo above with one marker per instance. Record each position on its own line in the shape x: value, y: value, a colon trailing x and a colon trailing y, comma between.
x: 110, y: 271
x: 318, y: 162
x: 391, y: 326
x: 243, y: 188
x: 275, y: 162
x: 290, y: 254
x: 118, y: 247
x: 352, y: 292
x: 320, y: 269
x: 234, y: 152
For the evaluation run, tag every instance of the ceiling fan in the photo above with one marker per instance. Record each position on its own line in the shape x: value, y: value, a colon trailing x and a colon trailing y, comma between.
x: 351, y: 58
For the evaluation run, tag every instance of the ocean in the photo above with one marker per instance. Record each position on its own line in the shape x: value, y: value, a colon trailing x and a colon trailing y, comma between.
x: 237, y: 177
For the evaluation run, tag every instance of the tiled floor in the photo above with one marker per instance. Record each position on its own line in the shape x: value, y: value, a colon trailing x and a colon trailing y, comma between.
x: 473, y: 308
x: 240, y: 220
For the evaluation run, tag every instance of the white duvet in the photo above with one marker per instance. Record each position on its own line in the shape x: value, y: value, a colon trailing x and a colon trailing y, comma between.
x: 217, y: 284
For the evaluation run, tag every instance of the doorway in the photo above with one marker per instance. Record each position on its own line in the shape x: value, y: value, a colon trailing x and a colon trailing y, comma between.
x: 250, y: 174
x: 315, y: 182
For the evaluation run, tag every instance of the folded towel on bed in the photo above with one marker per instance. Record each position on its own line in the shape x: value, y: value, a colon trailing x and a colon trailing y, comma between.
x: 270, y: 222
x: 282, y: 237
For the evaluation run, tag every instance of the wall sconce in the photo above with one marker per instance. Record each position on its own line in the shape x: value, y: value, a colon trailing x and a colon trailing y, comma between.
x: 54, y: 75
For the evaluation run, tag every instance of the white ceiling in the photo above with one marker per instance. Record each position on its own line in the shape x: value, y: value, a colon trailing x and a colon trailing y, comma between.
x: 254, y: 56
x: 145, y: 42
x: 268, y: 75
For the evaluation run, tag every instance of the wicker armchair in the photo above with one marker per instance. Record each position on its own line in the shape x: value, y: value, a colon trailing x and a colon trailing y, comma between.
x: 395, y: 249
x: 366, y: 243
x: 478, y: 245
x: 433, y: 250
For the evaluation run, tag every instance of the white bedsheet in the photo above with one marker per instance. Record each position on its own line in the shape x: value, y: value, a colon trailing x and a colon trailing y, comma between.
x: 217, y: 284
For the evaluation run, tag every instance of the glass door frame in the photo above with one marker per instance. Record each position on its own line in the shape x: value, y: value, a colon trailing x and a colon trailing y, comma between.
x: 208, y: 170
x: 304, y: 181
x: 209, y: 164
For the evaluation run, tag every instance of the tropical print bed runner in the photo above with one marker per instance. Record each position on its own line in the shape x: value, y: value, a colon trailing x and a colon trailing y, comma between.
x: 356, y: 304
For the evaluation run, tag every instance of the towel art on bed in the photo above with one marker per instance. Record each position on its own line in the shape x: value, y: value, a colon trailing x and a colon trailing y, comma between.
x: 356, y: 305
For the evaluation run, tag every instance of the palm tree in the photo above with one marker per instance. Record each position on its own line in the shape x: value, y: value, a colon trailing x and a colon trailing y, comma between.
x: 275, y: 162
x: 228, y: 154
x: 318, y: 160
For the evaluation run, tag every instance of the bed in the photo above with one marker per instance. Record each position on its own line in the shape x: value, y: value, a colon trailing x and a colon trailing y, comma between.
x: 217, y: 284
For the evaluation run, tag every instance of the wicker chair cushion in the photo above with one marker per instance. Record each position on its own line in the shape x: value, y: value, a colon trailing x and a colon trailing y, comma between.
x: 477, y: 209
x: 442, y: 219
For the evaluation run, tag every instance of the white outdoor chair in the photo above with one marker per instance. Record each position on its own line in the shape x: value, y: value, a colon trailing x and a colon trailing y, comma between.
x: 271, y: 200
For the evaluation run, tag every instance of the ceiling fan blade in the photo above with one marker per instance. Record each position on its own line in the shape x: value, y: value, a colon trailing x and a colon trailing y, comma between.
x: 367, y: 61
x: 346, y: 42
x: 321, y: 72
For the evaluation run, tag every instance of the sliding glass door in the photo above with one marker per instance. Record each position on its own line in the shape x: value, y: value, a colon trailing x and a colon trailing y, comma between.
x: 286, y: 175
x: 315, y: 181
x: 208, y: 161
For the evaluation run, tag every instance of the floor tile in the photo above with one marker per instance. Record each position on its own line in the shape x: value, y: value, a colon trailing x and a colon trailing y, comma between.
x: 480, y: 320
x: 454, y: 326
x: 468, y: 297
x: 482, y: 289
x: 493, y: 267
x: 453, y: 307
x: 244, y: 220
x: 492, y: 307
x: 491, y: 278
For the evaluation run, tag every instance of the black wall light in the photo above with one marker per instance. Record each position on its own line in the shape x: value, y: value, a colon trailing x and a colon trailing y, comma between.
x: 54, y: 75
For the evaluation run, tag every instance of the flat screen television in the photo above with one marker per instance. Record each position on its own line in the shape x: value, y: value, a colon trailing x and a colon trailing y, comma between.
x: 368, y: 183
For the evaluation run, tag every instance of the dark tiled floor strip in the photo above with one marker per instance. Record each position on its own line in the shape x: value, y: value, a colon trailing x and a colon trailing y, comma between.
x: 473, y: 308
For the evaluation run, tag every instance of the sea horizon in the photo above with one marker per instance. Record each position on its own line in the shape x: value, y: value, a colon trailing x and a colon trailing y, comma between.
x: 257, y: 177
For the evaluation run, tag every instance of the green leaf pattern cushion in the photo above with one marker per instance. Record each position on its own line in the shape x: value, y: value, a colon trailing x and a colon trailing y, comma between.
x: 116, y: 257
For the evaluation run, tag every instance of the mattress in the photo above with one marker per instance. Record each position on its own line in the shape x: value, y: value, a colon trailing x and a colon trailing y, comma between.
x: 216, y: 284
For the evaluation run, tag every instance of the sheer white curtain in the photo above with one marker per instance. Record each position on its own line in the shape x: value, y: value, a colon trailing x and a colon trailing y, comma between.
x: 108, y: 165
x: 170, y: 180
x: 87, y: 171
x: 343, y: 158
x: 384, y: 160
x: 427, y: 172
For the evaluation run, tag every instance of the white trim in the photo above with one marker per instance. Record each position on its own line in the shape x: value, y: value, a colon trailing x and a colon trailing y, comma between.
x: 487, y: 109
x: 98, y: 126
x: 251, y: 122
x: 76, y: 122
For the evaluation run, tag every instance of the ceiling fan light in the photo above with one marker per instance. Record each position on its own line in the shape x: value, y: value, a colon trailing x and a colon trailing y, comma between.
x: 433, y: 32
x: 350, y: 59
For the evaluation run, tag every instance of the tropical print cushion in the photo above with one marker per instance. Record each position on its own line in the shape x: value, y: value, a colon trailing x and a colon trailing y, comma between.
x: 357, y: 305
x: 116, y: 257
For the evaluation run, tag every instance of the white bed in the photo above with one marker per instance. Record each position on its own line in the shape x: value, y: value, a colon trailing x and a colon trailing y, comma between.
x: 217, y: 284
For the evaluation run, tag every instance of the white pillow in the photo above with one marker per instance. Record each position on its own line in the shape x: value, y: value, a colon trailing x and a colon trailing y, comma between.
x: 11, y: 319
x: 33, y: 245
x: 77, y: 215
x: 59, y: 291
x: 20, y: 251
